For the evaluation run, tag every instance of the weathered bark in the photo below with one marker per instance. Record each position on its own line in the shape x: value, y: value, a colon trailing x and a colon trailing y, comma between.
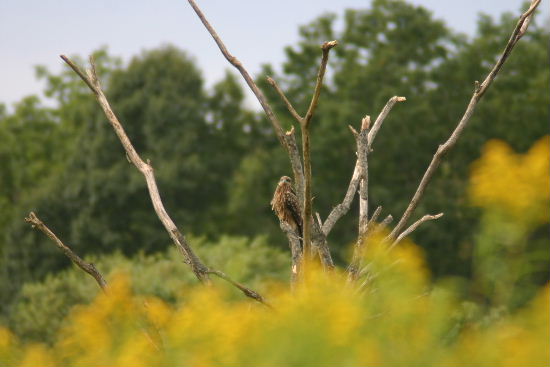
x: 200, y: 270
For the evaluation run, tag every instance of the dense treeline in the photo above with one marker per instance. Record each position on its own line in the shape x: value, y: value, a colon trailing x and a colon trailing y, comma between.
x: 217, y: 162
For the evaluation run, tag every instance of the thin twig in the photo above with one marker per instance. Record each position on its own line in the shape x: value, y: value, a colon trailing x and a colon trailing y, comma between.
x: 381, y: 117
x: 319, y: 220
x: 246, y: 291
x: 200, y: 270
x: 90, y: 269
x: 375, y: 215
x: 386, y: 222
x: 353, y: 131
x: 414, y: 226
x: 289, y: 106
x: 479, y: 91
x: 326, y: 47
x: 87, y: 267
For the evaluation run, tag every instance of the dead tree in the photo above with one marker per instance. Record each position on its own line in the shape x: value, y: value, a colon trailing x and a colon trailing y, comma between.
x: 199, y: 268
x: 315, y: 232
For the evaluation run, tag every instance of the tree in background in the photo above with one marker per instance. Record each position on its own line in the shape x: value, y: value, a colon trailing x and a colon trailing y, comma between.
x: 92, y: 199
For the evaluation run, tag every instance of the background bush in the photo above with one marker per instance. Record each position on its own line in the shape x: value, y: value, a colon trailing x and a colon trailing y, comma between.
x: 42, y: 306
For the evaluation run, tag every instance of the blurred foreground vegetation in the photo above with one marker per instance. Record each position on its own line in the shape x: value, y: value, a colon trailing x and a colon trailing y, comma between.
x: 217, y: 163
x: 397, y: 313
x: 392, y: 321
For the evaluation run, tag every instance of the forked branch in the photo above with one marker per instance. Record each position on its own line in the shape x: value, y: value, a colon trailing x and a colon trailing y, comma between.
x: 200, y: 270
x: 91, y: 79
x: 295, y: 250
x: 414, y: 226
x: 318, y: 237
x: 87, y: 267
x: 360, y: 176
x: 479, y: 91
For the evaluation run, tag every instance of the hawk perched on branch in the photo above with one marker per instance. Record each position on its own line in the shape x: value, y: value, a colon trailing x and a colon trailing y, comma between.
x: 285, y: 204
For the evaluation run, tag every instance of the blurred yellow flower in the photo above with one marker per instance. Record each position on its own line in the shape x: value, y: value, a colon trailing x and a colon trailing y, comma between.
x: 515, y: 184
x: 393, y: 315
x: 393, y: 319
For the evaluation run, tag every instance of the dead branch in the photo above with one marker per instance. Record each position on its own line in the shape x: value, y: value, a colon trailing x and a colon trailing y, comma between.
x: 283, y: 139
x: 200, y: 270
x: 295, y: 250
x: 288, y: 104
x: 358, y: 249
x: 319, y: 241
x: 146, y: 169
x: 246, y: 291
x: 386, y: 222
x: 287, y: 139
x: 326, y: 47
x: 362, y: 161
x: 376, y: 214
x: 362, y: 165
x: 297, y: 170
x: 414, y: 226
x: 381, y: 117
x: 319, y: 220
x: 318, y: 237
x: 359, y: 177
x: 341, y: 209
x: 305, y: 124
x: 479, y: 91
x: 87, y: 267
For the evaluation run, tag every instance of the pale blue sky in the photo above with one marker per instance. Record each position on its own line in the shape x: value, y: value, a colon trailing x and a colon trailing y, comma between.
x: 34, y: 32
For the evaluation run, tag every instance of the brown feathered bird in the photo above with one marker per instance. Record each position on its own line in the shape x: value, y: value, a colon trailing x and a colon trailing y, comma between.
x: 285, y: 204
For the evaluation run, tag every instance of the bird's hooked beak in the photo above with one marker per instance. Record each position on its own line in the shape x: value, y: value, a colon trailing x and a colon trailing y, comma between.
x: 285, y: 179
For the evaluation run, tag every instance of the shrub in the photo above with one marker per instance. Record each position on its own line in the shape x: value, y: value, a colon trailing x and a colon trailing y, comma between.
x: 41, y: 307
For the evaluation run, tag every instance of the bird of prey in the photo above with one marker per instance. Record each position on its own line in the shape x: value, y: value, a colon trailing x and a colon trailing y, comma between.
x: 285, y: 205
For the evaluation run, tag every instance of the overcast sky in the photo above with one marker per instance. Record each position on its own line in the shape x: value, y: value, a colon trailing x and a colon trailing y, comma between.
x: 35, y: 32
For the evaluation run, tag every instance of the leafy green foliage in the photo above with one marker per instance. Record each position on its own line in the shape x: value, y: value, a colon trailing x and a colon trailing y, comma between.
x: 42, y: 306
